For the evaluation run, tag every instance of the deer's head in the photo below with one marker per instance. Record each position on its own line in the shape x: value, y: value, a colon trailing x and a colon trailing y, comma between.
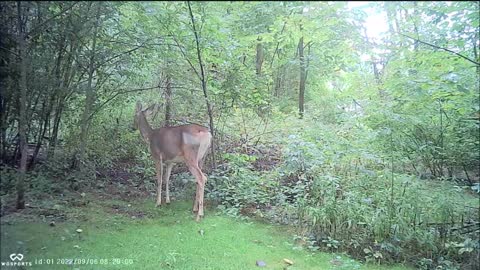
x: 138, y: 114
x: 140, y: 117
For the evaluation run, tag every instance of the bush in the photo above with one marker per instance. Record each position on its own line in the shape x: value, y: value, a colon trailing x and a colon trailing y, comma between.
x: 237, y: 186
x: 343, y: 196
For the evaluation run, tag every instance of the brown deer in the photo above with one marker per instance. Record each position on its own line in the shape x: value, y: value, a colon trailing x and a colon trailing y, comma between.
x: 171, y: 145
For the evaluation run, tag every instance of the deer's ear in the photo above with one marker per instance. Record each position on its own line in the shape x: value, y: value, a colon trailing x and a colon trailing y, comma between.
x: 152, y: 110
x: 138, y: 107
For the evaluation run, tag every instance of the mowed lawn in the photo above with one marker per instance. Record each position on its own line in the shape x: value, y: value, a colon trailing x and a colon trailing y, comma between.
x: 136, y: 235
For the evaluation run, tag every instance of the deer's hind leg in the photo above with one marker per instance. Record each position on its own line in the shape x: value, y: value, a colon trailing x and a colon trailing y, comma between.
x: 159, y: 169
x: 192, y: 163
x: 167, y: 182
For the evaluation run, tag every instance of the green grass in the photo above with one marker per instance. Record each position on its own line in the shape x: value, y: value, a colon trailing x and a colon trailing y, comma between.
x: 166, y: 238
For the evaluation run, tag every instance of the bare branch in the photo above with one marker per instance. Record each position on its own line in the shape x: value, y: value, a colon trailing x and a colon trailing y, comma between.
x: 121, y: 92
x: 186, y: 57
x: 120, y: 54
x: 10, y: 51
x: 42, y: 25
x: 440, y: 48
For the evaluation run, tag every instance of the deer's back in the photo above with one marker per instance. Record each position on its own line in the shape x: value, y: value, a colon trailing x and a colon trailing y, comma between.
x: 170, y: 142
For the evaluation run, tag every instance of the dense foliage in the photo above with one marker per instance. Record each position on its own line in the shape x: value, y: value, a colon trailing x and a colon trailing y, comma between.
x: 368, y: 144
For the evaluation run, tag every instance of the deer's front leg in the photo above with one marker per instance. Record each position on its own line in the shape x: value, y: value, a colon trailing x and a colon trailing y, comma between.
x: 195, y: 201
x: 159, y: 169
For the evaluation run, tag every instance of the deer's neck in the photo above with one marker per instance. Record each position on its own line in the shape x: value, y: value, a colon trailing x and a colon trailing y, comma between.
x: 145, y: 128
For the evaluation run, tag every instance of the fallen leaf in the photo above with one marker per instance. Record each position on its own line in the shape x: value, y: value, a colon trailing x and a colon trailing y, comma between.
x: 287, y: 261
x: 261, y: 264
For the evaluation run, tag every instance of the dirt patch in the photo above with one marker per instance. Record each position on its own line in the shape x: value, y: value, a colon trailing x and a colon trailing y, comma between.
x: 34, y: 213
x: 119, y: 183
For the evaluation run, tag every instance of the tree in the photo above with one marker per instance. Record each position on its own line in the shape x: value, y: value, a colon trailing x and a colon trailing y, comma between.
x: 89, y: 91
x: 22, y: 122
x: 303, y: 77
x: 203, y: 79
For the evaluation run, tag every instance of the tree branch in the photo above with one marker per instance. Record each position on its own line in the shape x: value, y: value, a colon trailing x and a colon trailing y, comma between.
x: 440, y: 48
x: 116, y: 95
x: 278, y: 43
x: 41, y: 25
x: 186, y: 57
x: 120, y: 54
x: 10, y: 51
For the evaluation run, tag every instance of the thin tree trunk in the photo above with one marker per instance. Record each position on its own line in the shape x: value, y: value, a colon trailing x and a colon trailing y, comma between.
x: 415, y: 27
x: 41, y: 133
x: 278, y: 43
x: 22, y: 122
x: 64, y: 84
x: 47, y: 104
x: 441, y: 140
x: 90, y: 93
x: 301, y: 92
x: 376, y: 73
x: 278, y: 82
x: 204, y: 83
x: 168, y: 100
x: 3, y: 128
x: 259, y: 57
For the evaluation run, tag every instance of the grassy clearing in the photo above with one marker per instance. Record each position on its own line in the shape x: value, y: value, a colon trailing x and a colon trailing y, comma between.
x: 118, y: 235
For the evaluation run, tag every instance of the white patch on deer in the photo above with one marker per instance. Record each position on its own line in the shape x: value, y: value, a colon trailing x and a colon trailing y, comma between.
x: 190, y: 139
x: 204, y: 144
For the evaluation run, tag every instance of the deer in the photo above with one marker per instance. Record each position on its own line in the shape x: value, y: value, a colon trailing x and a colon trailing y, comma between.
x: 171, y: 145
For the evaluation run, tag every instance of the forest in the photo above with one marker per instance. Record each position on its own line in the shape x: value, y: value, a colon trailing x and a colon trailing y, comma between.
x: 337, y: 135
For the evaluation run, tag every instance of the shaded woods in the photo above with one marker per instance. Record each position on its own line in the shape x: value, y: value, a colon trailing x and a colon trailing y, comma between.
x: 364, y: 143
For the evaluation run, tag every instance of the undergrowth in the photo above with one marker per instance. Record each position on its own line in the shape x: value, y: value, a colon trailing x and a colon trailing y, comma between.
x: 344, y: 196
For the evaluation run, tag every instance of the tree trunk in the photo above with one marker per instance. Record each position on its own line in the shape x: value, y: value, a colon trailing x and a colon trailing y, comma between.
x: 168, y: 100
x: 301, y: 92
x: 415, y: 27
x: 204, y: 84
x: 90, y: 93
x: 376, y: 73
x: 41, y: 133
x: 259, y: 57
x: 278, y: 82
x: 54, y: 136
x: 60, y: 99
x: 22, y: 122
